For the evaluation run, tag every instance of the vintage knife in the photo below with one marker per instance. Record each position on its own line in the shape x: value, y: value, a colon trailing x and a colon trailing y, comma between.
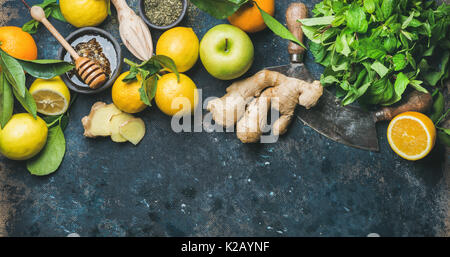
x: 348, y: 125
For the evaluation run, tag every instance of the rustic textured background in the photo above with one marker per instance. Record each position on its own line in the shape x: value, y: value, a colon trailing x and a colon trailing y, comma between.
x: 209, y: 184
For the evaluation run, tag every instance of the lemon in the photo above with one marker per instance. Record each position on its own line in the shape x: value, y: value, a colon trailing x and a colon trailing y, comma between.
x: 52, y: 96
x: 126, y: 96
x: 84, y: 13
x: 173, y: 97
x: 181, y: 44
x: 23, y: 137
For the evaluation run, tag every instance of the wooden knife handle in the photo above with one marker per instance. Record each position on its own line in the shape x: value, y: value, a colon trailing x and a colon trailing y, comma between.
x: 294, y: 12
x: 415, y: 101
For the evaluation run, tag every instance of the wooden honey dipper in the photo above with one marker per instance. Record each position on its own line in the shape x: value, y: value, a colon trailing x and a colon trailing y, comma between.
x: 91, y: 73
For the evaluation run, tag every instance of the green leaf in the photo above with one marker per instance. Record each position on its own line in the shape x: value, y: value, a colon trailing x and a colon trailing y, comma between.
x: 219, y: 9
x: 324, y: 20
x: 167, y: 62
x: 387, y: 7
x: 390, y: 44
x: 27, y: 102
x: 56, y: 13
x: 400, y: 62
x: 6, y: 101
x: 406, y: 23
x: 132, y: 75
x: 380, y: 91
x: 438, y: 106
x: 51, y: 8
x: 46, y: 69
x: 400, y: 85
x: 444, y: 138
x: 371, y: 48
x: 50, y: 158
x: 379, y: 68
x: 442, y: 118
x: 318, y: 51
x: 433, y: 77
x: 328, y: 80
x: 278, y: 28
x: 14, y: 72
x: 148, y: 90
x: 31, y: 26
x: 356, y: 19
x: 342, y: 44
x: 369, y: 6
x: 416, y: 84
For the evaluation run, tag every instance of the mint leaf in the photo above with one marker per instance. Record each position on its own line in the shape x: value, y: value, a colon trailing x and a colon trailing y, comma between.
x: 324, y: 20
x: 400, y: 62
x: 379, y: 68
x: 356, y: 19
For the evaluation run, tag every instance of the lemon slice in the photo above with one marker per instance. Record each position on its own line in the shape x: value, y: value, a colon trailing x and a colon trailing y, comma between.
x: 52, y: 96
x: 411, y: 135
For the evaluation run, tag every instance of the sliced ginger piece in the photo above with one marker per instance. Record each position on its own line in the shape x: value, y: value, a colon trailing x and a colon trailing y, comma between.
x: 133, y: 130
x: 97, y: 122
x: 115, y: 123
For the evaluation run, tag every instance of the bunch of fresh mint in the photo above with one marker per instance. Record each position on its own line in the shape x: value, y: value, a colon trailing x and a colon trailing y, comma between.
x: 373, y: 50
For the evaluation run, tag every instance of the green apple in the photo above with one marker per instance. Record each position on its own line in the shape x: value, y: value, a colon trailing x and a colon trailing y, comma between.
x: 226, y: 52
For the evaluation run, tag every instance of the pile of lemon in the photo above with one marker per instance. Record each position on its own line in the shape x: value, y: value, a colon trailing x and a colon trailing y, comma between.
x: 173, y: 96
x: 23, y: 136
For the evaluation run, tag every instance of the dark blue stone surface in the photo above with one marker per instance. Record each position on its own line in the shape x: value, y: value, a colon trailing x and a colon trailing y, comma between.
x: 210, y: 184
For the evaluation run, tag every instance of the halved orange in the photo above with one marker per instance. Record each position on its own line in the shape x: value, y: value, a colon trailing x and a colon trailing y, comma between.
x: 411, y: 135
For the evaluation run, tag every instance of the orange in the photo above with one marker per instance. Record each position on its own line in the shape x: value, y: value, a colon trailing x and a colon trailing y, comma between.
x: 126, y: 96
x: 249, y: 19
x: 18, y: 43
x: 411, y: 135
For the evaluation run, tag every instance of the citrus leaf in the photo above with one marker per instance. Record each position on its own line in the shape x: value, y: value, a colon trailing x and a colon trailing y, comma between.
x: 14, y: 72
x: 50, y: 158
x: 219, y: 9
x: 278, y: 28
x: 27, y: 102
x: 6, y: 101
x: 168, y: 63
x: 45, y: 69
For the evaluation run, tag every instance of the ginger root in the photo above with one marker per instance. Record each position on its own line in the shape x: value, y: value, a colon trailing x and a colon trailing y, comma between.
x: 227, y: 110
x: 108, y: 120
x: 278, y: 91
x: 96, y: 124
x: 133, y: 130
x: 115, y: 123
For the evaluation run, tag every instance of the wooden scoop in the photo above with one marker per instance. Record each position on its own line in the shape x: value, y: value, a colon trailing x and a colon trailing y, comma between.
x: 133, y: 31
x: 91, y: 73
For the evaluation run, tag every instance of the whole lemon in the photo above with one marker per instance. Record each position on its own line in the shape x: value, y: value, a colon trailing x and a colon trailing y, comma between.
x: 176, y: 97
x: 126, y: 96
x: 181, y: 44
x: 23, y: 137
x: 84, y: 13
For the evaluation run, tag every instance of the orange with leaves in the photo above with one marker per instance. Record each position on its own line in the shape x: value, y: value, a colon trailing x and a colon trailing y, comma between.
x: 249, y: 19
x: 18, y: 43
